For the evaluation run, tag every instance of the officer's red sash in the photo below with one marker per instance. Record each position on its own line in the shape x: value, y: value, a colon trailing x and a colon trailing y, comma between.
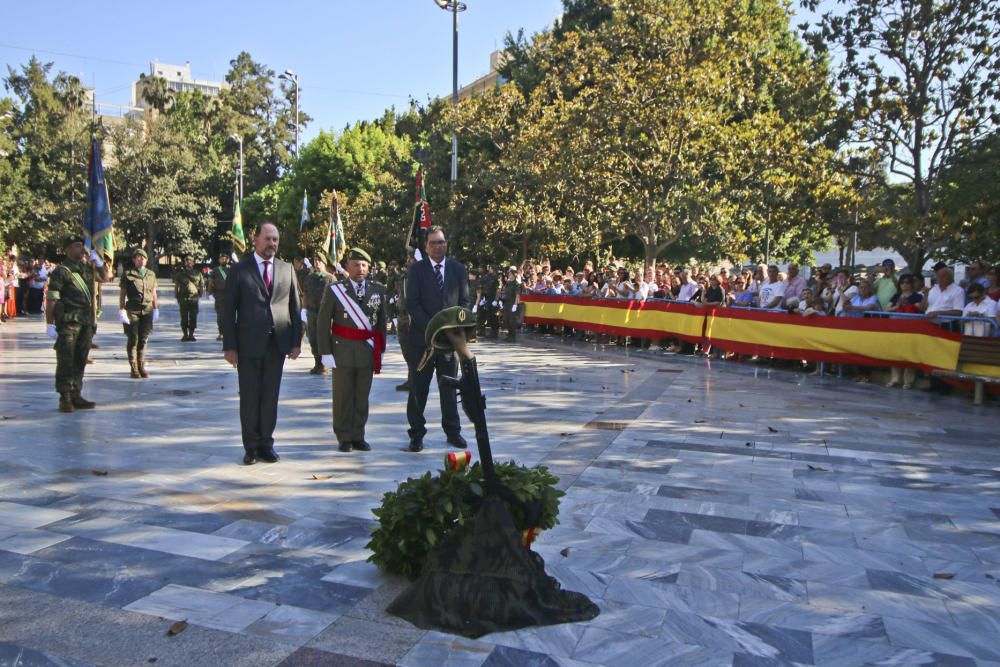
x: 365, y: 335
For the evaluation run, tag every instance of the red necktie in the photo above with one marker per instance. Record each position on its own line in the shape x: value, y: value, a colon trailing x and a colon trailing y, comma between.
x: 267, y: 275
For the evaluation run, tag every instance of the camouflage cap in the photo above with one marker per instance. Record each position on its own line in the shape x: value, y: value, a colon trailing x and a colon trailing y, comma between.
x: 73, y: 238
x: 139, y: 252
x: 380, y: 264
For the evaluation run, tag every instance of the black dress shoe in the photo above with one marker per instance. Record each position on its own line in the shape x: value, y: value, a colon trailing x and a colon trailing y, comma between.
x: 405, y: 386
x: 361, y: 446
x: 249, y: 459
x: 457, y: 441
x: 345, y: 447
x: 268, y: 455
x: 416, y: 444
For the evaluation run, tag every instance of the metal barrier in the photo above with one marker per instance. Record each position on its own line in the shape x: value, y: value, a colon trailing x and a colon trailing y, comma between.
x: 979, y: 326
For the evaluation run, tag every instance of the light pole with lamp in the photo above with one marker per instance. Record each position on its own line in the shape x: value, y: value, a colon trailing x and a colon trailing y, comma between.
x: 238, y: 139
x: 453, y: 6
x: 289, y: 75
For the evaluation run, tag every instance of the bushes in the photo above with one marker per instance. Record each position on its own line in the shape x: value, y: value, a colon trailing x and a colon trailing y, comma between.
x: 423, y: 510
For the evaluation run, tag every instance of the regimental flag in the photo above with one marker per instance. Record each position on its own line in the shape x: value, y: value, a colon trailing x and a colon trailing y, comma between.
x: 236, y: 234
x: 97, y: 223
x: 337, y: 242
x: 305, y: 210
x: 421, y: 215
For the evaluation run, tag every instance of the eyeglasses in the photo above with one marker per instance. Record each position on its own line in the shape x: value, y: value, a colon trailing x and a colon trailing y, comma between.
x: 436, y: 242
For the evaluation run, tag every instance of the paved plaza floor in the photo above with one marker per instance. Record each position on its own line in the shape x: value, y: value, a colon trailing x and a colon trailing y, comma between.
x: 718, y: 513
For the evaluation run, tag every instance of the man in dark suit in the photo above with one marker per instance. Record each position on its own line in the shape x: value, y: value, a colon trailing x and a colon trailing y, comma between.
x: 433, y: 284
x: 261, y: 325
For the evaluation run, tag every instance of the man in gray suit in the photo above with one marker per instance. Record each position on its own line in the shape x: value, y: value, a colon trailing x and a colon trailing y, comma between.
x: 350, y: 331
x: 434, y: 283
x: 261, y: 325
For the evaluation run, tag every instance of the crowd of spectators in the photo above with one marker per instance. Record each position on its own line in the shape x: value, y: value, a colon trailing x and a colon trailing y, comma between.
x: 825, y: 293
x: 22, y: 286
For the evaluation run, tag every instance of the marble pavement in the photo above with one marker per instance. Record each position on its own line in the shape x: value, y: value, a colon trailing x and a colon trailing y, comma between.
x: 719, y: 513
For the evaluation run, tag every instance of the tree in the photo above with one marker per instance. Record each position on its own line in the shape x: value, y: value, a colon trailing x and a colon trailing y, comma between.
x: 918, y: 81
x: 970, y: 201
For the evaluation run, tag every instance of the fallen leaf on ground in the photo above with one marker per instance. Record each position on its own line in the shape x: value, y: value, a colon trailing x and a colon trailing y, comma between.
x: 816, y: 468
x: 944, y: 575
x: 322, y: 476
x: 564, y: 552
x: 100, y: 473
x: 699, y: 421
x: 177, y: 628
x: 749, y: 444
x: 772, y: 430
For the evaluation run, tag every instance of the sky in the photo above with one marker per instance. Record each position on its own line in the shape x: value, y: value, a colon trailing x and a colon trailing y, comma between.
x: 353, y: 59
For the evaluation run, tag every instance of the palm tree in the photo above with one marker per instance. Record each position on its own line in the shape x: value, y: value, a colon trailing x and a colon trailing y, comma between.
x: 157, y: 93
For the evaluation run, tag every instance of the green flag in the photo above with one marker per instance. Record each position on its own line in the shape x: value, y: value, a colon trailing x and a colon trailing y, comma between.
x: 236, y: 234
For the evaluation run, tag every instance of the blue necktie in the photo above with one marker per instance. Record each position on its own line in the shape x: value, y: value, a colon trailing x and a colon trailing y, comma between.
x: 439, y: 277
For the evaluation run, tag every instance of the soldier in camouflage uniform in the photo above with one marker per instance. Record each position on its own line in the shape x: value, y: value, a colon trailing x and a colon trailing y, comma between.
x: 511, y: 289
x: 313, y: 288
x: 138, y: 311
x: 189, y: 286
x: 217, y: 288
x: 403, y: 319
x: 380, y: 273
x: 70, y: 316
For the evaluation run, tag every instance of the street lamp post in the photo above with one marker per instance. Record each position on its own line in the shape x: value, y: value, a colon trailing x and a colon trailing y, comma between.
x: 238, y: 139
x: 289, y: 75
x: 453, y: 6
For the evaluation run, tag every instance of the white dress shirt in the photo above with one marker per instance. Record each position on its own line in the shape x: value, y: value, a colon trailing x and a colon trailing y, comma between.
x: 951, y: 298
x: 260, y: 267
x: 434, y: 264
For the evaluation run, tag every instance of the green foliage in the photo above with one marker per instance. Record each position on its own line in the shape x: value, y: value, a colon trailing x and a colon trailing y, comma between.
x: 423, y: 510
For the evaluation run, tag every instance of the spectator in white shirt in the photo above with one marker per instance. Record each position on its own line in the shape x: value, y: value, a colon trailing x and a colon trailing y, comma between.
x: 793, y: 286
x: 945, y: 298
x: 981, y: 306
x: 772, y: 292
x: 689, y: 288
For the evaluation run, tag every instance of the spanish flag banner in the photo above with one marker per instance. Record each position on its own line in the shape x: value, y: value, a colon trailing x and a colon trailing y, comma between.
x: 618, y: 317
x: 868, y: 341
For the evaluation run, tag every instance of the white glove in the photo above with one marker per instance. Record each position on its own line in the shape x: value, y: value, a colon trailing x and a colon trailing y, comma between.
x: 304, y: 314
x: 123, y: 316
x: 156, y: 315
x: 475, y: 308
x: 328, y: 361
x: 494, y: 304
x: 513, y: 308
x: 308, y: 264
x: 50, y: 331
x: 98, y: 262
x: 392, y: 300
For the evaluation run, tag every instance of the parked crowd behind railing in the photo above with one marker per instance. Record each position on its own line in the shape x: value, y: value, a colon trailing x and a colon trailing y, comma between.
x: 970, y: 308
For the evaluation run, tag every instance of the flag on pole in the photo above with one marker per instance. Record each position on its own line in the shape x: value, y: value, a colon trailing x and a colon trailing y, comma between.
x: 305, y: 210
x: 97, y: 222
x: 337, y: 242
x: 236, y: 234
x: 421, y: 215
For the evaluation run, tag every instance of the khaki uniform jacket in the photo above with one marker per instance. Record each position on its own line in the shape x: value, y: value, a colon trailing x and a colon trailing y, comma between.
x: 314, y: 287
x: 140, y: 291
x: 75, y: 301
x: 217, y: 283
x: 350, y: 353
x: 189, y: 284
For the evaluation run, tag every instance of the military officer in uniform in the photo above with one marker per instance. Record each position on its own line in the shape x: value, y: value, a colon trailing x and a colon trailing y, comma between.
x: 70, y: 316
x: 403, y: 319
x: 489, y: 288
x: 217, y: 288
x: 511, y: 289
x: 351, y: 328
x: 314, y: 287
x: 138, y: 311
x: 189, y: 286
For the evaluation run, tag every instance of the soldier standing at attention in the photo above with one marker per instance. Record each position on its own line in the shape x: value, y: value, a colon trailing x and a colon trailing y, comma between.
x: 217, y: 288
x: 510, y: 291
x: 138, y: 311
x: 487, y: 313
x: 403, y: 320
x: 351, y: 331
x: 189, y: 286
x: 71, y: 321
x: 314, y: 287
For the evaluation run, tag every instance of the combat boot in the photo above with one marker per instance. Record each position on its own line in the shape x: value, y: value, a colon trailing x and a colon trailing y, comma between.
x: 142, y: 368
x: 134, y: 366
x: 79, y: 402
x: 191, y: 337
x: 66, y: 402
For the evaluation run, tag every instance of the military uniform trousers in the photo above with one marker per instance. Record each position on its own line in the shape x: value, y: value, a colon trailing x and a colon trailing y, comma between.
x: 219, y: 305
x: 189, y: 314
x: 137, y: 333
x: 72, y: 350
x: 352, y: 386
x: 311, y: 333
x: 403, y: 334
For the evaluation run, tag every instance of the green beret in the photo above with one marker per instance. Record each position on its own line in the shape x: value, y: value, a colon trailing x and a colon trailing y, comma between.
x: 321, y: 256
x: 358, y: 253
x: 73, y: 238
x: 381, y: 264
x: 455, y: 317
x: 140, y: 253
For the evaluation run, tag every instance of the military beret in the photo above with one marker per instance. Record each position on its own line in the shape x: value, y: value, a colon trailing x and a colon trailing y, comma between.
x: 321, y: 256
x: 140, y: 253
x: 381, y: 264
x: 358, y: 253
x: 73, y: 238
x: 435, y: 339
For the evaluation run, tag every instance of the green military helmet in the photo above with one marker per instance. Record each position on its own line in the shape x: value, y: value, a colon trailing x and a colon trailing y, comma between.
x: 435, y: 339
